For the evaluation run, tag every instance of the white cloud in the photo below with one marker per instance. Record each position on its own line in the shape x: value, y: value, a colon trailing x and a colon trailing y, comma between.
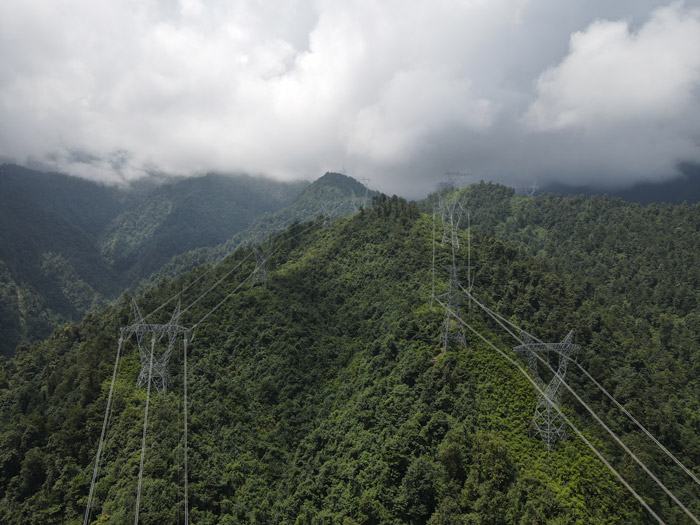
x: 396, y: 90
x: 613, y: 74
x: 413, y: 105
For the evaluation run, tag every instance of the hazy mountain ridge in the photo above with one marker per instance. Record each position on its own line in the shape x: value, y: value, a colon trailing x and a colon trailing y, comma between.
x: 334, y: 194
x: 69, y: 245
x: 323, y: 397
x: 680, y: 189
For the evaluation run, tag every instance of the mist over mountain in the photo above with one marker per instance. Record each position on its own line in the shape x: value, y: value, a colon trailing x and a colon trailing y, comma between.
x: 684, y: 188
x: 586, y: 93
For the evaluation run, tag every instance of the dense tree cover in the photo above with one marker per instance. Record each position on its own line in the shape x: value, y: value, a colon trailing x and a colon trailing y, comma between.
x: 68, y: 245
x: 635, y: 274
x: 324, y: 398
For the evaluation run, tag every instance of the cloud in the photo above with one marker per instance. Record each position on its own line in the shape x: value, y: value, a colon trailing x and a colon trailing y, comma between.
x: 399, y: 91
x: 613, y: 75
x: 411, y: 106
x: 626, y: 99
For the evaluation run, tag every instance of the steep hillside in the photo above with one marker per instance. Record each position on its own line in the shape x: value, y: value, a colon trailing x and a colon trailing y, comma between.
x: 323, y: 397
x: 333, y: 195
x: 49, y: 225
x: 190, y: 213
x: 68, y: 246
x: 641, y: 266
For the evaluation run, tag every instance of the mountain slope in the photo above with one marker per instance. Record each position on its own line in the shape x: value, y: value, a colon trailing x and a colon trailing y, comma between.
x: 333, y: 195
x: 324, y: 398
x: 68, y: 245
x: 48, y: 229
x: 188, y: 214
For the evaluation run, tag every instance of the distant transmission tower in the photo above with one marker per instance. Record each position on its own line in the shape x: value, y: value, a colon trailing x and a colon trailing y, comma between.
x: 456, y: 179
x: 361, y: 202
x: 532, y: 189
x: 547, y: 423
x: 451, y: 213
x: 327, y: 218
x: 365, y: 182
x: 262, y: 255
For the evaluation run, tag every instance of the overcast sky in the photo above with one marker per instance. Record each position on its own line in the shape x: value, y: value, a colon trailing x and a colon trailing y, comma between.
x: 398, y: 91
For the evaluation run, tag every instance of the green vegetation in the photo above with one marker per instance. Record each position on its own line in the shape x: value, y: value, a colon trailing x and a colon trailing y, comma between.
x: 68, y: 246
x: 323, y: 398
x: 334, y: 194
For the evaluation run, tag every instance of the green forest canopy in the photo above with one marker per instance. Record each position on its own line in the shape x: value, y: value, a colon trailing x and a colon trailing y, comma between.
x: 324, y: 398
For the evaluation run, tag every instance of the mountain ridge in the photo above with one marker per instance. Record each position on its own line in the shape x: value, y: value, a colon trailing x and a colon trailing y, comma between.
x: 325, y: 396
x: 69, y: 245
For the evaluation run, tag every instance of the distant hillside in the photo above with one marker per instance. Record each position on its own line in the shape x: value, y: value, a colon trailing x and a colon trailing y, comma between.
x: 187, y: 214
x: 50, y: 266
x: 684, y: 188
x: 67, y: 245
x: 334, y: 194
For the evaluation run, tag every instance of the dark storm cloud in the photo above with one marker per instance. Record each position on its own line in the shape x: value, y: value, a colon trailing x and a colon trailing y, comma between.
x: 511, y: 90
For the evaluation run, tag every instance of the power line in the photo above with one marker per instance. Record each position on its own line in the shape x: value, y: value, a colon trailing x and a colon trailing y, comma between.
x: 187, y: 508
x: 244, y: 280
x: 217, y: 283
x: 432, y: 293
x: 283, y: 225
x: 145, y: 426
x: 566, y: 419
x: 98, y: 456
x: 601, y: 423
x: 611, y: 397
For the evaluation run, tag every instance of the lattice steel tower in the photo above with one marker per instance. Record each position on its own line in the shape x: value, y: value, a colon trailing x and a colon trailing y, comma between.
x: 547, y: 423
x: 452, y: 327
x: 327, y: 218
x: 154, y: 366
x: 360, y: 202
x: 155, y: 373
x: 451, y: 213
x: 262, y: 255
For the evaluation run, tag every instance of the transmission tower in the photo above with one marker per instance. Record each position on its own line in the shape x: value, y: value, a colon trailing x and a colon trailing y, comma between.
x: 452, y: 327
x: 262, y: 255
x: 361, y: 202
x: 547, y: 423
x: 155, y: 373
x: 456, y: 179
x: 154, y: 366
x: 532, y: 189
x: 451, y: 212
x: 327, y: 218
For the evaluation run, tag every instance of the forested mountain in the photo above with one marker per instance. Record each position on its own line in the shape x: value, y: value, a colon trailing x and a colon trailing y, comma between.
x: 332, y: 196
x: 68, y: 246
x: 323, y: 396
x: 50, y: 267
